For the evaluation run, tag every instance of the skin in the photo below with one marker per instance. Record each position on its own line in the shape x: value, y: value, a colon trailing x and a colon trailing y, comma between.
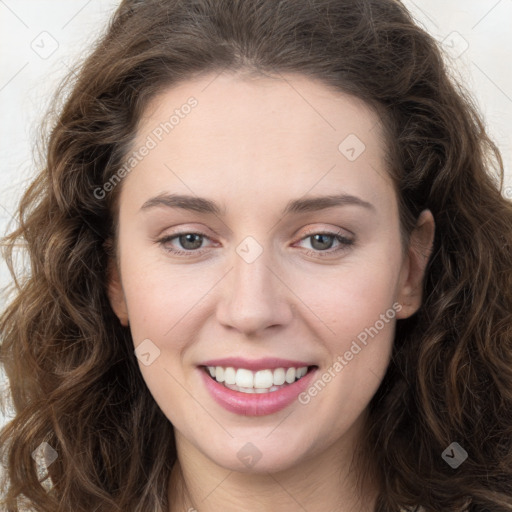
x: 252, y: 145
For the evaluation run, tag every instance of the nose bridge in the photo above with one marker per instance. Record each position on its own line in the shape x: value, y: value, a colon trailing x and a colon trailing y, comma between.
x: 255, y: 298
x: 252, y: 266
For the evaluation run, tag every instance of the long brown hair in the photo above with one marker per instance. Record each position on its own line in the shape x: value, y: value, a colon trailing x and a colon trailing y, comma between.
x: 74, y: 378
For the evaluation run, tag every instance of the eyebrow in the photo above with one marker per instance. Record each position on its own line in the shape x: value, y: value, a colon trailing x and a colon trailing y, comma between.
x: 301, y: 205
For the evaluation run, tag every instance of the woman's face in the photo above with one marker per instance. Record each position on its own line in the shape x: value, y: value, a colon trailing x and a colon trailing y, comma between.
x: 289, y: 260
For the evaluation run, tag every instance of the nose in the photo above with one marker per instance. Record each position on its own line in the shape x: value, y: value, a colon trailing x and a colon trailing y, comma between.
x: 255, y: 296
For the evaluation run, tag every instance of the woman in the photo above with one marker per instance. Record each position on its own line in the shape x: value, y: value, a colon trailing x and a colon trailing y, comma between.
x: 270, y: 270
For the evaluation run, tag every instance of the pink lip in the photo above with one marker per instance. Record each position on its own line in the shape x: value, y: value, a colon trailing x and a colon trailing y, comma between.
x: 256, y: 364
x: 258, y: 404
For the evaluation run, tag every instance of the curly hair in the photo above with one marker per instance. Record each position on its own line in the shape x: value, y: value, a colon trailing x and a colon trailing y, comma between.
x: 74, y: 379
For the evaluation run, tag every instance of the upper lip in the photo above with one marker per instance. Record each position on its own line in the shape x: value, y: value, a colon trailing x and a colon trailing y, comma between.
x: 256, y: 364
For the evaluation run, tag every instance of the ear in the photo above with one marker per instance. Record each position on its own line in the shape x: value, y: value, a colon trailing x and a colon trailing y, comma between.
x: 115, y: 292
x: 413, y: 271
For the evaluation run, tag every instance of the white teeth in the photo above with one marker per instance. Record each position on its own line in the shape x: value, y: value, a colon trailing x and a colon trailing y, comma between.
x: 290, y: 375
x: 262, y: 381
x: 279, y: 376
x: 301, y: 372
x: 219, y: 374
x: 250, y: 390
x: 245, y: 378
x: 229, y: 375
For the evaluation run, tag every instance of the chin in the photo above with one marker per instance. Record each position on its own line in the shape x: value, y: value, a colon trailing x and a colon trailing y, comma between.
x: 259, y: 453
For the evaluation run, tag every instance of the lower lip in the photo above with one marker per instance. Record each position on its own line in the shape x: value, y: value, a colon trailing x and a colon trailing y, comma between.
x: 256, y: 404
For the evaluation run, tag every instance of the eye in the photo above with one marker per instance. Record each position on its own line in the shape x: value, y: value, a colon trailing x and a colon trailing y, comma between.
x: 322, y: 243
x: 189, y: 241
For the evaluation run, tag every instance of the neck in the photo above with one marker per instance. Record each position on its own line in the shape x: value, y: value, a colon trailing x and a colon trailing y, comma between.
x: 329, y: 481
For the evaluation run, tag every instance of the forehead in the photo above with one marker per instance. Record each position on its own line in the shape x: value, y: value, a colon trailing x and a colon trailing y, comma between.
x: 286, y: 134
x: 293, y: 106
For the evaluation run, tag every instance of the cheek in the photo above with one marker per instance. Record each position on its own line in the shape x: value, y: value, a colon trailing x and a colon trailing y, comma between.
x: 161, y: 294
x: 352, y: 297
x: 359, y: 316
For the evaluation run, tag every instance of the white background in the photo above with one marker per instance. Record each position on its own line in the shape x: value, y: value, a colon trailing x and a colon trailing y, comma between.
x: 476, y: 33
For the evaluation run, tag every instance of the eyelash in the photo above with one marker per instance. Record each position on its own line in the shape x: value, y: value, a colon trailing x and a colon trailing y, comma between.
x: 344, y: 241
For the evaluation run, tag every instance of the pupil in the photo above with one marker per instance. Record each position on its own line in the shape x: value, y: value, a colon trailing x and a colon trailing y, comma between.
x: 325, y: 244
x: 185, y: 239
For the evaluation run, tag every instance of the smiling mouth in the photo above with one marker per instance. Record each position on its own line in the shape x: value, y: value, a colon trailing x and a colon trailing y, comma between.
x: 261, y: 381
